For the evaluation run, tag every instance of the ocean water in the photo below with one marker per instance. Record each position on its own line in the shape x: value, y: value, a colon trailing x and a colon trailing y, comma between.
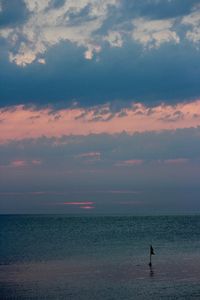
x: 93, y: 258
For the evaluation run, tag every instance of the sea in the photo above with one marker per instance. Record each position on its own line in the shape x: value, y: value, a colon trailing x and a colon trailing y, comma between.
x: 99, y: 257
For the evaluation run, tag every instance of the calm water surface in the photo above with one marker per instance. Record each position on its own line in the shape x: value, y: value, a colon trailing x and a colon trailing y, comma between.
x: 89, y: 258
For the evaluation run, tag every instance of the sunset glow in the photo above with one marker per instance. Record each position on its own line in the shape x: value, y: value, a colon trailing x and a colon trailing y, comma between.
x: 34, y: 123
x: 99, y: 100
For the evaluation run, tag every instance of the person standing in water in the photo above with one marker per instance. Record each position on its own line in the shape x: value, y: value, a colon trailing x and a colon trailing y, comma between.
x: 151, y: 252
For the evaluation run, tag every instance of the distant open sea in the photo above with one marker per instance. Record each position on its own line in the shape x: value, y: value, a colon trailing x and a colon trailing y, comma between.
x: 93, y: 258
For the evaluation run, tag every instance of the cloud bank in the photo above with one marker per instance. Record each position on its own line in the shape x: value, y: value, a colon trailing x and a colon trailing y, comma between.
x: 94, y: 52
x: 35, y: 123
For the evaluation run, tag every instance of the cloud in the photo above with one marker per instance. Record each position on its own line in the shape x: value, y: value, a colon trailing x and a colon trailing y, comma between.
x: 85, y: 205
x: 86, y: 24
x: 73, y: 21
x: 73, y: 52
x: 21, y: 163
x: 176, y: 161
x: 129, y: 163
x: 153, y: 33
x: 18, y: 163
x: 34, y: 123
x: 114, y: 38
x: 163, y: 148
x: 79, y: 203
x: 89, y: 155
x: 151, y: 164
x: 193, y: 21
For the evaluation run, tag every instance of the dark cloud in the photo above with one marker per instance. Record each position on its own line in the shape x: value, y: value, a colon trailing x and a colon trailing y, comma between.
x: 169, y: 74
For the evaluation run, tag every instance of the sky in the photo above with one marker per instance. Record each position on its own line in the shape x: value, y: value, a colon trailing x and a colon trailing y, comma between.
x: 100, y: 106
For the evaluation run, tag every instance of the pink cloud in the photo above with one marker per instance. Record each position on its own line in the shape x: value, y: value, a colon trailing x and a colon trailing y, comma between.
x: 177, y: 161
x: 21, y: 122
x: 85, y: 204
x: 87, y: 207
x: 129, y: 163
x: 23, y: 163
x: 18, y: 163
x: 89, y: 155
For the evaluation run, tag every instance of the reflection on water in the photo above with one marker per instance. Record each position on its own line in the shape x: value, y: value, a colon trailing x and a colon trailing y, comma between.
x: 151, y: 271
x: 94, y: 280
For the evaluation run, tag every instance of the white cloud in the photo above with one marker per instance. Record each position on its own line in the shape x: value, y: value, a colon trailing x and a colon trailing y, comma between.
x: 48, y: 26
x: 89, y: 53
x: 193, y: 21
x: 153, y: 33
x: 6, y: 32
x: 114, y: 38
x: 42, y: 61
x: 37, y: 5
x: 80, y: 22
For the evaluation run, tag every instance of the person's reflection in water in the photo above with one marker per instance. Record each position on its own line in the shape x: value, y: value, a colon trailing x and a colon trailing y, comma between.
x: 151, y: 273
